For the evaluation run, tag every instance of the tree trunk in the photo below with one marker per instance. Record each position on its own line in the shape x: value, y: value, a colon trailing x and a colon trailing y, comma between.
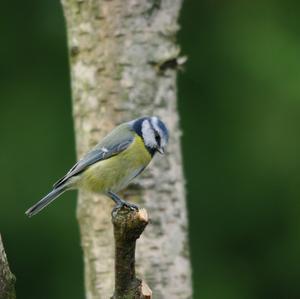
x: 123, y: 65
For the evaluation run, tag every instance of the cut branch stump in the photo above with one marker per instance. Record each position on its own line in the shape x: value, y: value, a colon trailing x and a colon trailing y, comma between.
x: 128, y: 226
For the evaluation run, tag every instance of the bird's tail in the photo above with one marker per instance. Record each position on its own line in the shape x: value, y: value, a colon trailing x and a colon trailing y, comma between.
x: 45, y: 201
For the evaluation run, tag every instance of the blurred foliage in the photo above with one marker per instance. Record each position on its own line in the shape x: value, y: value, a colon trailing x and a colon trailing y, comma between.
x: 240, y: 108
x: 239, y: 101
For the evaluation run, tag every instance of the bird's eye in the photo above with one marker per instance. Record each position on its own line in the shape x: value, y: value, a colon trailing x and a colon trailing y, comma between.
x: 157, y: 138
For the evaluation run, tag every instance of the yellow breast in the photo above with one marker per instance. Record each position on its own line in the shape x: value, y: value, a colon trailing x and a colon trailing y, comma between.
x: 115, y: 173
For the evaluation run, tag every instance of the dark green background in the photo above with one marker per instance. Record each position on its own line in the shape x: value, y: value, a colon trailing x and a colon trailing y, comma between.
x: 239, y: 100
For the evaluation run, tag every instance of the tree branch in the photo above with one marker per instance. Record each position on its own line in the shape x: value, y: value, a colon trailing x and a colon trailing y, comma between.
x: 128, y: 226
x: 7, y: 279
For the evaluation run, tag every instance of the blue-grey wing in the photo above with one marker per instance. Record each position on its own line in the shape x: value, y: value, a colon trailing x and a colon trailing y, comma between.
x: 109, y: 147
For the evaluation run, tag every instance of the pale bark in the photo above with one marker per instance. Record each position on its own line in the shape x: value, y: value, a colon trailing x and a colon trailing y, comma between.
x: 122, y: 55
x: 7, y: 279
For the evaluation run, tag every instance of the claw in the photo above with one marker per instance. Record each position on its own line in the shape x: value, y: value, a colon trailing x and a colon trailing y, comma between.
x: 126, y: 204
x: 121, y: 203
x: 131, y: 206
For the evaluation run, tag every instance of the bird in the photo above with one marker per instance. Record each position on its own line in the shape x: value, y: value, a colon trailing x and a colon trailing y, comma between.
x: 113, y: 163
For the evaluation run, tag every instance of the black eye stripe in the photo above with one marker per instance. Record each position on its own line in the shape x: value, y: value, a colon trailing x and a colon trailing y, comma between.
x: 157, y: 138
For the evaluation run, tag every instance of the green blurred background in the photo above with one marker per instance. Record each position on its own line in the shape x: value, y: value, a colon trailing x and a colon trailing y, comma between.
x: 239, y: 100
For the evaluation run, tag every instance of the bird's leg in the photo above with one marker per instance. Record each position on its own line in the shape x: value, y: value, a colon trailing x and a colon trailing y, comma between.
x: 121, y: 202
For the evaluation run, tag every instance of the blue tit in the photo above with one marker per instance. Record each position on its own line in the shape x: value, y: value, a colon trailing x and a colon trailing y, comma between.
x: 114, y: 162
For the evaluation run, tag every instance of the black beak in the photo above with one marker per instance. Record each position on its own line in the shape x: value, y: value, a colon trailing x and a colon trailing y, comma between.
x: 161, y: 150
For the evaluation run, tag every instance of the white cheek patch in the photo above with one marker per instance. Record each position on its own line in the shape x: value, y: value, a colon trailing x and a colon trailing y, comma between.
x: 148, y: 134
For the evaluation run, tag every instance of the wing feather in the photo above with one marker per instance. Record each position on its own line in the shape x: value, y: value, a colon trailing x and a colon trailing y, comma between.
x: 109, y: 147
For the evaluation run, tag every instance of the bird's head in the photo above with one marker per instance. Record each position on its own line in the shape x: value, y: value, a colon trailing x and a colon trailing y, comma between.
x: 153, y: 132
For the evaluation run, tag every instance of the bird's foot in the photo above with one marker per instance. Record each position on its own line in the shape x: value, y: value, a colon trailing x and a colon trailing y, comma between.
x: 131, y: 206
x: 122, y: 203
